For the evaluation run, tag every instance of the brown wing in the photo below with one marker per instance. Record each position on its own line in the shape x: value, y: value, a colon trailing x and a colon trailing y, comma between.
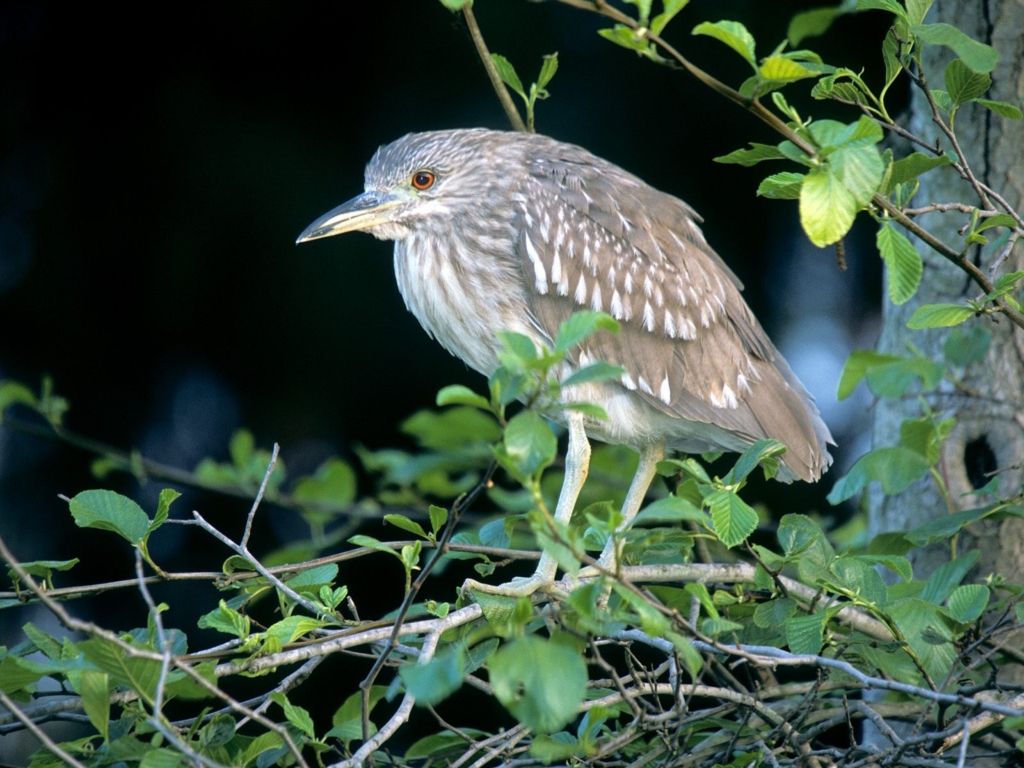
x: 593, y: 236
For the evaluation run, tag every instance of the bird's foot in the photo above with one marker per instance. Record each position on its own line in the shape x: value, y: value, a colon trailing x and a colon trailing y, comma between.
x: 520, y: 586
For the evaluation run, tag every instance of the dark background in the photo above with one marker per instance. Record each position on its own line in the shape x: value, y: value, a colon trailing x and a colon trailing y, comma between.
x: 155, y: 170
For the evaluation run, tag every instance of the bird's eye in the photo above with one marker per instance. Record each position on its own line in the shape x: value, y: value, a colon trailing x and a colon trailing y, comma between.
x: 423, y: 180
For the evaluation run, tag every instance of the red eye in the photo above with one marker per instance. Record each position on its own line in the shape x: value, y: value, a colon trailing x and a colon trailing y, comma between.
x: 423, y: 180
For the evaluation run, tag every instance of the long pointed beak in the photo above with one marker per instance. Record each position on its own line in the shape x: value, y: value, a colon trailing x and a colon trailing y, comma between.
x: 360, y: 212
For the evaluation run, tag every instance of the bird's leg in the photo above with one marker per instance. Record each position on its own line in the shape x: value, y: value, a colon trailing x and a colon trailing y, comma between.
x: 650, y: 455
x: 577, y: 465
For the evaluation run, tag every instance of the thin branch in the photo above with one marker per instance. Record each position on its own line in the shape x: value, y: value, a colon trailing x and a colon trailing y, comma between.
x: 492, y: 71
x: 442, y: 549
x: 158, y: 470
x: 38, y: 732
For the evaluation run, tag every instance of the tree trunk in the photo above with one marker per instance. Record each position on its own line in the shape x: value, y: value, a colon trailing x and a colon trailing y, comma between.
x: 989, y: 433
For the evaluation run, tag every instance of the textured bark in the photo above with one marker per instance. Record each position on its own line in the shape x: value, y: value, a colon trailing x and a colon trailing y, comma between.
x: 993, y: 413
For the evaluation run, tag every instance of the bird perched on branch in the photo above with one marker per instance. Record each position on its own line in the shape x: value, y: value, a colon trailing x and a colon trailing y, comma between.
x: 515, y: 231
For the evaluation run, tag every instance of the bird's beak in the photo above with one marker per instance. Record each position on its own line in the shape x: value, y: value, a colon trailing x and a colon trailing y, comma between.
x: 361, y: 212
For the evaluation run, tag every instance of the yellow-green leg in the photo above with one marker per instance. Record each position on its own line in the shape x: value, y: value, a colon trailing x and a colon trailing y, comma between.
x: 577, y: 465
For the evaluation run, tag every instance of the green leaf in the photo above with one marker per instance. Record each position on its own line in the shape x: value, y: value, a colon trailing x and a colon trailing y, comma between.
x: 43, y: 569
x: 947, y: 577
x: 752, y: 156
x: 161, y: 758
x: 529, y: 444
x: 962, y: 348
x: 439, y: 678
x: 295, y: 715
x: 672, y: 509
x: 242, y: 448
x: 944, y: 527
x: 860, y: 169
x: 352, y: 708
x: 963, y: 83
x: 438, y: 517
x: 1001, y: 108
x: 888, y: 375
x: 456, y: 5
x: 12, y: 392
x: 798, y: 533
x: 268, y: 743
x: 547, y: 70
x: 622, y: 35
x: 311, y: 580
x: 456, y: 427
x: 44, y: 642
x: 792, y: 152
x: 217, y: 732
x: 502, y: 613
x: 816, y: 21
x: 968, y: 602
x: 939, y: 316
x: 110, y: 511
x: 443, y: 744
x: 882, y: 5
x: 896, y: 468
x: 977, y: 56
x: 895, y: 563
x: 733, y: 34
x: 903, y: 262
x: 226, y: 619
x: 334, y: 482
x: 672, y: 7
x: 923, y: 625
x: 141, y: 675
x: 774, y: 613
x: 18, y: 674
x: 599, y: 371
x: 891, y: 59
x: 508, y: 73
x: 403, y: 522
x: 827, y: 207
x: 831, y: 135
x: 780, y: 69
x: 804, y: 634
x: 854, y: 576
x: 782, y: 186
x: 732, y: 518
x: 917, y: 10
x: 765, y: 451
x: 716, y: 626
x: 644, y: 9
x: 914, y: 165
x: 361, y: 540
x: 1000, y: 220
x: 163, y: 510
x: 541, y: 682
x: 582, y: 324
x: 457, y: 394
x: 925, y: 436
x: 290, y: 629
x: 942, y: 100
x: 95, y: 692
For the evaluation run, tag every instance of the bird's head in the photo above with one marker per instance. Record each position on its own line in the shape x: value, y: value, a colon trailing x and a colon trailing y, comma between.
x: 423, y: 181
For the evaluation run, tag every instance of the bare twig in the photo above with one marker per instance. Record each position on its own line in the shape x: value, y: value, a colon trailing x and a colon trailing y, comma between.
x: 38, y: 732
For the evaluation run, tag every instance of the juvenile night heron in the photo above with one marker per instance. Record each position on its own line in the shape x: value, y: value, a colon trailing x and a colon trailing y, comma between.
x: 514, y: 231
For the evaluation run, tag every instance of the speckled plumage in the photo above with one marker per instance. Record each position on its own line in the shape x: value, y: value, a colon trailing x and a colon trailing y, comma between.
x: 519, y: 230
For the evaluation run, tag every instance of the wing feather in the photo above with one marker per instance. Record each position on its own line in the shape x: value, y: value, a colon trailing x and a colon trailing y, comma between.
x: 594, y: 236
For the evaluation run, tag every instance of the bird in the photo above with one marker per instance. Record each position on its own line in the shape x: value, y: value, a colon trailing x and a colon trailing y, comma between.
x: 497, y: 230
